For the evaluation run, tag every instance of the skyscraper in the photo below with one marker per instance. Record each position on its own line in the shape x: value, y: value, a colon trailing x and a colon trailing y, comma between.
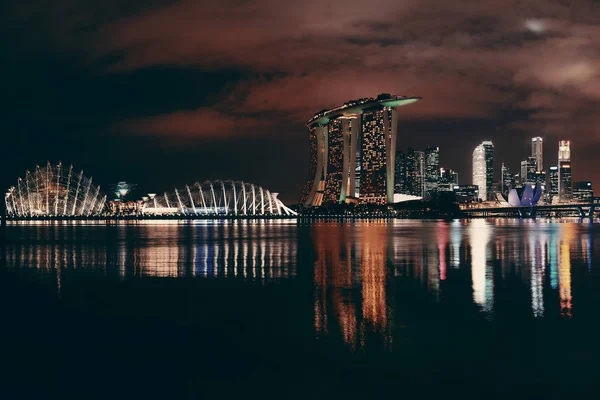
x: 508, y: 181
x: 415, y: 166
x: 537, y: 152
x: 483, y: 168
x: 353, y: 151
x: 400, y: 173
x: 419, y: 179
x: 448, y: 179
x: 528, y: 170
x: 432, y: 170
x: 565, y: 189
x: 552, y: 183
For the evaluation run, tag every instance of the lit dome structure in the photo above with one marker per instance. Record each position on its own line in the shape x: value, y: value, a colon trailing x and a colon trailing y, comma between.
x: 218, y: 198
x: 54, y: 190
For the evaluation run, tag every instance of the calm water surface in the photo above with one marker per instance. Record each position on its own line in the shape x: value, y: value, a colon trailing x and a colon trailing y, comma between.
x: 475, y: 309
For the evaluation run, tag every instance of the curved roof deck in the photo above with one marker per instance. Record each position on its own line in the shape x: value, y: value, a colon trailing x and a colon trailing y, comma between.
x: 357, y: 106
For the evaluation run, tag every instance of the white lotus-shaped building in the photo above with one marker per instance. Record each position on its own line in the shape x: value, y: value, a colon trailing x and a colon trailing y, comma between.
x: 54, y: 190
x: 228, y: 198
x: 528, y: 197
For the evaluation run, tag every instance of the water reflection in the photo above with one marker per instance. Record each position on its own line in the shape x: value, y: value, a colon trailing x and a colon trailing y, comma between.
x: 366, y: 281
x: 262, y: 251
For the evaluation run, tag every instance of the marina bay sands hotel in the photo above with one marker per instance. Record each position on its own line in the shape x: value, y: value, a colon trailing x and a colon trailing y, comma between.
x: 353, y: 152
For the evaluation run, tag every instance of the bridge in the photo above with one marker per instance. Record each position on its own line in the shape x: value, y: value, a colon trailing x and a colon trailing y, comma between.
x: 581, y: 210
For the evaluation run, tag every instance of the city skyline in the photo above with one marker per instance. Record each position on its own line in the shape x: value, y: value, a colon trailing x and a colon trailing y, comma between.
x: 134, y: 93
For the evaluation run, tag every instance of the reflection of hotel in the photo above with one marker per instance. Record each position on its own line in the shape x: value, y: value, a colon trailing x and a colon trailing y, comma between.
x: 350, y: 284
x: 353, y: 150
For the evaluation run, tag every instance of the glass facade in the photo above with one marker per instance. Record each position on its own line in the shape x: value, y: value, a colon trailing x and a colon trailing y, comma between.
x: 565, y: 188
x: 483, y: 169
x: 537, y: 152
x: 552, y: 183
x: 400, y: 173
x: 432, y: 170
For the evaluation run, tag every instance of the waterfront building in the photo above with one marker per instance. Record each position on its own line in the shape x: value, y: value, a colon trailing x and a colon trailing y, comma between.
x: 432, y: 170
x: 565, y: 189
x: 466, y: 193
x: 54, y: 190
x: 353, y: 151
x: 537, y: 152
x: 218, y: 198
x: 400, y: 173
x: 483, y: 169
x: 583, y: 192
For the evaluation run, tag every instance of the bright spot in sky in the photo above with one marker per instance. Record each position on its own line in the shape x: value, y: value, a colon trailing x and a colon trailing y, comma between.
x: 535, y: 25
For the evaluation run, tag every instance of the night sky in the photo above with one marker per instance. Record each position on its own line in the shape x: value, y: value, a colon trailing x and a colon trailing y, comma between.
x: 164, y: 93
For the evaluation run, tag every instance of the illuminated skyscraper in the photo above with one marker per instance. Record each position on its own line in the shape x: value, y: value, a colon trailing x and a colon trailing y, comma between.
x: 400, y: 173
x: 447, y: 180
x: 552, y: 183
x: 508, y: 181
x: 565, y: 189
x: 353, y: 151
x: 419, y: 176
x: 432, y: 170
x: 537, y: 152
x: 483, y: 168
x: 528, y: 170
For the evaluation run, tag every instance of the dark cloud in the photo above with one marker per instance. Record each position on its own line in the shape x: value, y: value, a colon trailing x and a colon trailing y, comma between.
x: 197, y: 74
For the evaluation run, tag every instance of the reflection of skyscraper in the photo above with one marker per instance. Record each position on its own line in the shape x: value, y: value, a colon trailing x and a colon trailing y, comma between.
x: 564, y: 170
x: 353, y: 151
x: 564, y: 271
x: 483, y: 169
x: 483, y: 286
x: 432, y: 168
x: 537, y: 152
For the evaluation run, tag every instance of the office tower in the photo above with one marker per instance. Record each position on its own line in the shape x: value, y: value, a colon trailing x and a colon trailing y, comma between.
x: 537, y: 152
x: 448, y: 179
x: 400, y: 173
x: 507, y: 181
x: 483, y: 169
x: 353, y: 151
x: 583, y: 192
x: 410, y: 170
x: 432, y: 169
x: 415, y: 165
x: 528, y: 171
x: 552, y: 183
x: 565, y: 190
x: 419, y: 178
